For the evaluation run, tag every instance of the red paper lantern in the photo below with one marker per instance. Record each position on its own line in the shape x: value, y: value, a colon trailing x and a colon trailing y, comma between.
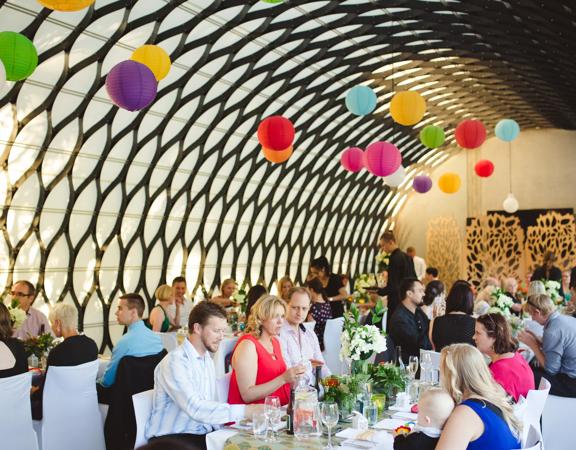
x: 352, y: 159
x: 276, y: 133
x: 382, y: 158
x: 470, y: 134
x: 484, y: 168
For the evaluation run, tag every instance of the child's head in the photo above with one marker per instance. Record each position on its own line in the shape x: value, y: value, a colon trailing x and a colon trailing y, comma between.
x: 434, y: 408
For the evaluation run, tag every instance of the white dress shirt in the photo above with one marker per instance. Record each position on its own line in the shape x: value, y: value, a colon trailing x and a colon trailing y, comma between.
x: 301, y: 346
x: 419, y: 267
x: 185, y: 396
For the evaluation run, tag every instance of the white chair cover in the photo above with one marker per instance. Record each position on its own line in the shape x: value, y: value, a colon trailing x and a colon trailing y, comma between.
x: 558, y: 423
x: 534, y: 438
x: 535, y: 401
x: 226, y: 347
x: 332, y: 345
x: 169, y: 340
x: 222, y: 387
x: 310, y: 326
x: 142, y: 410
x: 70, y: 409
x: 435, y: 358
x: 16, y: 432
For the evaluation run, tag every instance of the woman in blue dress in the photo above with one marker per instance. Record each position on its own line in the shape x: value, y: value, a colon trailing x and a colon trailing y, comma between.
x: 483, y: 418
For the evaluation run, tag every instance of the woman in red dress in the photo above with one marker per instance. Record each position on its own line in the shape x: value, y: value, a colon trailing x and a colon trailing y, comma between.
x: 258, y: 367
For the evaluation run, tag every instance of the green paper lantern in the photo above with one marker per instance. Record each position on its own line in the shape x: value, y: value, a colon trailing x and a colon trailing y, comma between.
x: 432, y: 136
x: 272, y: 1
x: 18, y: 55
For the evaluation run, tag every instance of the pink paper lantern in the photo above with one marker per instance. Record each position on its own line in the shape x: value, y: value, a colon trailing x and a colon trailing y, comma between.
x: 352, y: 159
x: 422, y: 184
x: 382, y: 158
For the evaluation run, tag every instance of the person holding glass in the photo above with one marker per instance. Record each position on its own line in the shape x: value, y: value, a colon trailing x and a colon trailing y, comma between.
x: 258, y: 367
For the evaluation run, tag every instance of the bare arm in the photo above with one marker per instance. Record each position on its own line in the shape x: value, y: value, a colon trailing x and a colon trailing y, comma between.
x: 463, y: 427
x: 430, y: 334
x: 245, y: 364
x: 342, y: 295
x: 222, y: 301
x: 156, y: 318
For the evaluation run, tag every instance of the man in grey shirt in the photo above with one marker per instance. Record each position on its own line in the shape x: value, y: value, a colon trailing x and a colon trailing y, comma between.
x: 556, y: 353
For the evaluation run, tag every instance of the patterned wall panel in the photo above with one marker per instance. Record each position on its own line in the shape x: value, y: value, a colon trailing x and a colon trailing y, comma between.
x: 97, y: 201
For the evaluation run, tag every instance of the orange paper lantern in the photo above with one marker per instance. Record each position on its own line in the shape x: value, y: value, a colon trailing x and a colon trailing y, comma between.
x: 407, y: 107
x: 277, y: 156
x: 449, y: 183
x: 66, y: 5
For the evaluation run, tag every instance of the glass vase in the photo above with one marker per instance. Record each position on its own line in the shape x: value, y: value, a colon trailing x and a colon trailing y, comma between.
x: 359, y: 367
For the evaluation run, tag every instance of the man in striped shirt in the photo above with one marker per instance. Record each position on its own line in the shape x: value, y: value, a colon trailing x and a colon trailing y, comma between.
x: 185, y: 405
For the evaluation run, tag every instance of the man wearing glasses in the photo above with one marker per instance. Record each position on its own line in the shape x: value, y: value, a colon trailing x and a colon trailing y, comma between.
x: 36, y: 322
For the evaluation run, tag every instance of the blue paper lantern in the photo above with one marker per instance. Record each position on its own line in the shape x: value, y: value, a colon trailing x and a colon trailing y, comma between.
x: 507, y: 130
x: 361, y: 100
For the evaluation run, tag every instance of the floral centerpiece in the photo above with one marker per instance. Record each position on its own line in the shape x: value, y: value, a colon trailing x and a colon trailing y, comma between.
x: 387, y: 379
x: 17, y: 315
x: 501, y: 303
x: 344, y: 389
x: 359, y: 341
x: 362, y: 282
x: 38, y: 345
x: 382, y: 260
x: 553, y: 291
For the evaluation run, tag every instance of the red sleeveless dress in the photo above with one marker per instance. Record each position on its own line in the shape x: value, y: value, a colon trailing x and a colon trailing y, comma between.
x: 268, y: 369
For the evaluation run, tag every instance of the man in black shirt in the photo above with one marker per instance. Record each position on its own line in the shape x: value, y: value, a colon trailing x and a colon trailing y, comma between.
x: 409, y: 324
x: 400, y: 266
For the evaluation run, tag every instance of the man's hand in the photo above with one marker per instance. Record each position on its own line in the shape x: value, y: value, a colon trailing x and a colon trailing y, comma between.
x: 529, y: 339
x: 316, y: 362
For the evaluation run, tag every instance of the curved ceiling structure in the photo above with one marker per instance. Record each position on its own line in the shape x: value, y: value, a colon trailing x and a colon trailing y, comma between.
x: 98, y: 200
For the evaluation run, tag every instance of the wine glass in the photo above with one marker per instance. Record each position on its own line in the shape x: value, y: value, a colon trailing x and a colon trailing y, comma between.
x: 329, y: 416
x: 273, y: 414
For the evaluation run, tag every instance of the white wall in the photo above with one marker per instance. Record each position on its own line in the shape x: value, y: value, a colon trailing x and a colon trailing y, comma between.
x: 543, y: 176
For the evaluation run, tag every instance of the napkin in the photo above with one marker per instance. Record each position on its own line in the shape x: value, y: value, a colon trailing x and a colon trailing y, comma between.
x: 389, y: 424
x: 368, y: 435
x: 405, y: 416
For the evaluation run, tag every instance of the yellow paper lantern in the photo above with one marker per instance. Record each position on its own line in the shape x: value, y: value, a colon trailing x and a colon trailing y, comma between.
x: 155, y: 58
x: 66, y: 5
x: 407, y: 107
x: 277, y: 156
x: 449, y: 183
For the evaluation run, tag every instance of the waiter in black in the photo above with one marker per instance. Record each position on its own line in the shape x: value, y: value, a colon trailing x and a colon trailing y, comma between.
x: 400, y: 266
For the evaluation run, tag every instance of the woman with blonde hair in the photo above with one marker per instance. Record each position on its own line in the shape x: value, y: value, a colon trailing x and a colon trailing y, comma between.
x: 159, y: 319
x: 284, y: 285
x: 227, y: 289
x: 258, y: 367
x: 483, y: 418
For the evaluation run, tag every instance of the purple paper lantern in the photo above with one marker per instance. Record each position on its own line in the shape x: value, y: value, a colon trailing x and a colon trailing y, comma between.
x: 422, y: 184
x: 131, y: 85
x: 382, y: 158
x: 352, y: 159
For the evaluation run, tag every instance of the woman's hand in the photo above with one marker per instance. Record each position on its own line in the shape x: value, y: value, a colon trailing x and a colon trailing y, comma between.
x: 292, y: 374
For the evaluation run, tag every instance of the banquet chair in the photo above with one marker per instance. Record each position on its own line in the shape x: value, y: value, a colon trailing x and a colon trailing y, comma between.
x: 226, y: 347
x: 142, y: 410
x: 222, y: 387
x: 310, y: 326
x: 169, y: 341
x: 16, y: 429
x: 535, y: 401
x: 70, y: 409
x: 533, y: 439
x: 558, y: 423
x: 332, y: 345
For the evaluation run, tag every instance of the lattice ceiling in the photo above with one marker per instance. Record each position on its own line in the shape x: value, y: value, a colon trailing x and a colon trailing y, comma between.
x: 98, y: 200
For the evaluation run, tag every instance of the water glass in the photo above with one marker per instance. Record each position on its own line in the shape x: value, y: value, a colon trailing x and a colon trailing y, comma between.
x: 273, y: 414
x: 426, y: 365
x: 260, y: 426
x: 371, y: 413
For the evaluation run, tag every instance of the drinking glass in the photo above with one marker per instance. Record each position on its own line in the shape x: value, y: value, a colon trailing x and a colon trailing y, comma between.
x: 273, y: 414
x: 426, y: 365
x: 371, y: 413
x: 260, y: 426
x: 412, y: 367
x: 329, y: 416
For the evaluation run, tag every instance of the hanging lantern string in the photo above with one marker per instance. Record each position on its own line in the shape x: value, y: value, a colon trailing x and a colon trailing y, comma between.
x: 393, y: 92
x: 510, y: 165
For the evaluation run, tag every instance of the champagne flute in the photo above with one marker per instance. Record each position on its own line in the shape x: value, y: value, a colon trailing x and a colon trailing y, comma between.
x: 426, y: 364
x: 273, y: 414
x: 329, y: 416
x: 412, y: 367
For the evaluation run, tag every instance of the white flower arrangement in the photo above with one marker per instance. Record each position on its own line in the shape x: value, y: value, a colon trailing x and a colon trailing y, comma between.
x: 501, y: 303
x: 383, y: 260
x: 17, y: 315
x: 553, y: 291
x: 360, y: 341
x: 364, y: 281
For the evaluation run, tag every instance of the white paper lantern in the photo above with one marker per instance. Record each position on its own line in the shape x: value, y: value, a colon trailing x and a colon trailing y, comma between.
x: 510, y: 204
x: 396, y: 178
